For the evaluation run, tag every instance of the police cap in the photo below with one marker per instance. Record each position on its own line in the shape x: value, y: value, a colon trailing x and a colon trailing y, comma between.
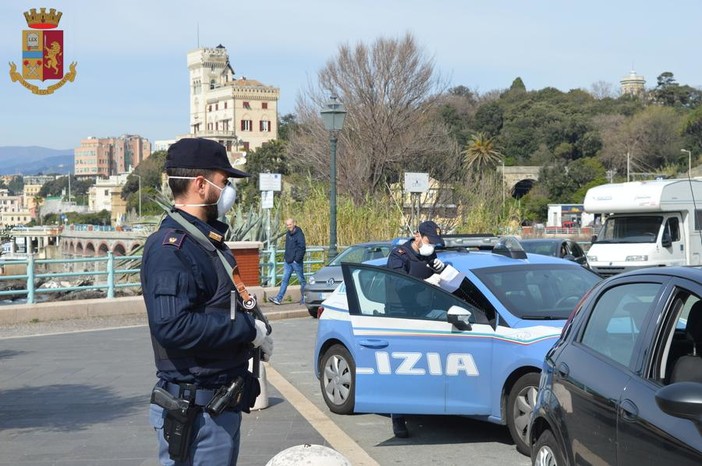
x: 201, y: 153
x: 432, y: 231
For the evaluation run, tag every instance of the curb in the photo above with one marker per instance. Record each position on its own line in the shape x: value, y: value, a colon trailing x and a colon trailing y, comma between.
x: 13, y: 314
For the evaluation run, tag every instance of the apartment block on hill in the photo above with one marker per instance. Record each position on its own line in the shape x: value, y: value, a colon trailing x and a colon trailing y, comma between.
x: 12, y: 212
x: 105, y: 157
x: 106, y: 194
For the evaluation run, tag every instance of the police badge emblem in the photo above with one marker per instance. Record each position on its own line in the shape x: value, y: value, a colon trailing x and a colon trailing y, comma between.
x: 42, y: 52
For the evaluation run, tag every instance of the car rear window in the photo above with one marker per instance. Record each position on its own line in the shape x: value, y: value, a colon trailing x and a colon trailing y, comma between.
x: 538, y: 291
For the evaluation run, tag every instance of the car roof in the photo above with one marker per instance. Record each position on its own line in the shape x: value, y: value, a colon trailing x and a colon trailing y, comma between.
x: 371, y: 243
x: 690, y: 272
x: 543, y: 240
x: 478, y: 259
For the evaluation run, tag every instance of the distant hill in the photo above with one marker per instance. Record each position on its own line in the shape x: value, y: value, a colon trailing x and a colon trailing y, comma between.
x: 32, y: 160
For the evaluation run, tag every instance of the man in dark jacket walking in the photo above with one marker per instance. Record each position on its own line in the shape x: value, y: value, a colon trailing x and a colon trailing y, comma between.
x: 294, y: 254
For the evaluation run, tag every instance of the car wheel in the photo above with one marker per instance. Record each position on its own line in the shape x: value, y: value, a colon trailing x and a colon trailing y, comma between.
x: 546, y: 451
x: 520, y: 404
x: 313, y: 311
x: 338, y: 380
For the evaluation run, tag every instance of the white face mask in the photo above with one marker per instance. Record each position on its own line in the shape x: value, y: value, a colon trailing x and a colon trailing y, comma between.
x: 226, y: 200
x: 426, y: 249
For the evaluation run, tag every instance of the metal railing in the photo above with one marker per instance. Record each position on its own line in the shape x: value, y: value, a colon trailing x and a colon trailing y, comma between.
x: 109, y: 272
x: 112, y: 272
x: 271, y: 264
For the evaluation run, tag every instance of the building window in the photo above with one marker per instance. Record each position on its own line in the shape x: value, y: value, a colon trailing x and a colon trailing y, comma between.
x: 264, y: 105
x: 209, y: 108
x: 225, y: 105
x: 246, y: 125
x: 264, y: 126
x: 216, y: 106
x: 247, y: 105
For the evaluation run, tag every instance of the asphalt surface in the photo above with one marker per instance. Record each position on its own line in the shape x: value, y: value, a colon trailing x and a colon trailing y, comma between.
x: 76, y: 393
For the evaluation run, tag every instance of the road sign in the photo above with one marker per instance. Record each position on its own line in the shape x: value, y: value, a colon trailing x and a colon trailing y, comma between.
x: 416, y: 182
x: 267, y: 199
x: 269, y: 181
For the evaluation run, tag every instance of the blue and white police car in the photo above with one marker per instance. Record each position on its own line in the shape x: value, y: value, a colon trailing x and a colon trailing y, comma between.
x: 474, y: 346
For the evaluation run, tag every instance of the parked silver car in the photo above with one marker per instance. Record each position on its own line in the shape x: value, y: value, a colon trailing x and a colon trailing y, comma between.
x: 323, y: 282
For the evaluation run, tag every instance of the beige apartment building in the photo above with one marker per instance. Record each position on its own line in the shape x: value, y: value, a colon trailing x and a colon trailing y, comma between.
x: 12, y: 213
x: 239, y: 113
x: 106, y: 194
x: 30, y: 193
x: 105, y: 157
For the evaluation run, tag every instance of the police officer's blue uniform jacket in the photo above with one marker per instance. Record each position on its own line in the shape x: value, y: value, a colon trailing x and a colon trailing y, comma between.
x: 188, y: 294
x: 294, y: 246
x: 403, y: 257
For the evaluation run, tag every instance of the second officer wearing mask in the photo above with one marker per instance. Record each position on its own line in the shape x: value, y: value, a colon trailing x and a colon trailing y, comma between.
x: 417, y: 258
x: 200, y: 342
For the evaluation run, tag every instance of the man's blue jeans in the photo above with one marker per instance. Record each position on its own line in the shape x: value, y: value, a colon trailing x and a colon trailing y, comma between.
x: 287, y: 272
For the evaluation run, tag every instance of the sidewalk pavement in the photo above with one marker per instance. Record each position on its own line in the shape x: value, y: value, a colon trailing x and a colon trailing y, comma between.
x: 81, y: 399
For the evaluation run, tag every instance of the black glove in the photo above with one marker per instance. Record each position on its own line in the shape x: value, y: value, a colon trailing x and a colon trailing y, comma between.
x: 436, y: 265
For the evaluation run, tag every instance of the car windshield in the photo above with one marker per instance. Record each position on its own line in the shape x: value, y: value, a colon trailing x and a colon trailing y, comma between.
x: 545, y: 248
x: 634, y: 229
x: 361, y: 253
x: 548, y: 291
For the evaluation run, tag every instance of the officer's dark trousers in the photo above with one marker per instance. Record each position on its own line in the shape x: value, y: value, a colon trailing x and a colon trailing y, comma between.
x: 215, y: 442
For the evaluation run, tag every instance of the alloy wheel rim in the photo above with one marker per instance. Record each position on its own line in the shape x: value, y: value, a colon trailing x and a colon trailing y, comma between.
x: 545, y: 457
x: 523, y: 407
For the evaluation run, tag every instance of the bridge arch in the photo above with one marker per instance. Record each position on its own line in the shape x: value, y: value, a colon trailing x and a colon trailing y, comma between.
x: 119, y: 250
x: 103, y: 249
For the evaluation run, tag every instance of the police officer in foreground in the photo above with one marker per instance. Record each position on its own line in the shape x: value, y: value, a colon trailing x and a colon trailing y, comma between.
x: 417, y: 257
x: 202, y: 343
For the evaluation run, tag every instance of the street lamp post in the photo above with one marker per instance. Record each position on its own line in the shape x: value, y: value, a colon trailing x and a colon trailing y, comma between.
x: 139, y: 193
x: 333, y: 115
x: 503, y: 186
x: 689, y: 162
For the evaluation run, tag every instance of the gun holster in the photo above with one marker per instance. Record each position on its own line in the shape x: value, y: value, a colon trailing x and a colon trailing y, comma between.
x: 180, y: 416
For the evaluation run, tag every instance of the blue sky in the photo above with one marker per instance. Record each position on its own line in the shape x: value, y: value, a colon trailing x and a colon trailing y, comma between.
x: 132, y: 76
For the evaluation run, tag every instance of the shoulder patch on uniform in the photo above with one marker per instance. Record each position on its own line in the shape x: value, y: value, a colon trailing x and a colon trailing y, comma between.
x: 174, y: 238
x: 400, y: 251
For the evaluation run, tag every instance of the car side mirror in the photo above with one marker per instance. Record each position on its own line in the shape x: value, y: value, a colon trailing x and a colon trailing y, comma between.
x: 569, y: 257
x: 459, y: 318
x: 593, y: 239
x: 666, y: 240
x: 681, y: 399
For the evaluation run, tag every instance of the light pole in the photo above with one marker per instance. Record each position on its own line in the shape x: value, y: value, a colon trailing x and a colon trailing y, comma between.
x: 139, y: 193
x: 333, y: 115
x: 503, y: 186
x: 689, y: 161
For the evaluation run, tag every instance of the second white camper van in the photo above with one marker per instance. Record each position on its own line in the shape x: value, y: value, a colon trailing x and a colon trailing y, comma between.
x: 647, y: 224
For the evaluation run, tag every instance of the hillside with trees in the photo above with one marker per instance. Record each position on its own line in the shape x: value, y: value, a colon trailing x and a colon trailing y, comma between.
x: 403, y: 117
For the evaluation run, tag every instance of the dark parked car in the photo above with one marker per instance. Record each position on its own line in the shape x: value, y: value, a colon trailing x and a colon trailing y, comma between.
x: 325, y: 280
x: 623, y: 384
x: 564, y: 248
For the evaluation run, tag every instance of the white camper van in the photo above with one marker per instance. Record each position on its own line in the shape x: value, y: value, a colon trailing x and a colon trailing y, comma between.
x: 648, y: 223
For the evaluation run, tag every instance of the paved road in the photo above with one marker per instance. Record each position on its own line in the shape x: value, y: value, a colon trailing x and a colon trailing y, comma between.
x: 79, y: 399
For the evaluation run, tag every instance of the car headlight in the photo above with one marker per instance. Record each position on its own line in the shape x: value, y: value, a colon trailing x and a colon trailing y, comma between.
x: 592, y: 258
x: 639, y: 258
x: 311, y: 281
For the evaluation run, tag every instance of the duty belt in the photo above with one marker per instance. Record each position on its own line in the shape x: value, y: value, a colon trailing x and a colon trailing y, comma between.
x: 202, y: 395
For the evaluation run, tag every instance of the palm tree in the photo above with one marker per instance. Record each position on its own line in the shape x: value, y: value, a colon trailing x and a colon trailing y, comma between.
x: 481, y: 152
